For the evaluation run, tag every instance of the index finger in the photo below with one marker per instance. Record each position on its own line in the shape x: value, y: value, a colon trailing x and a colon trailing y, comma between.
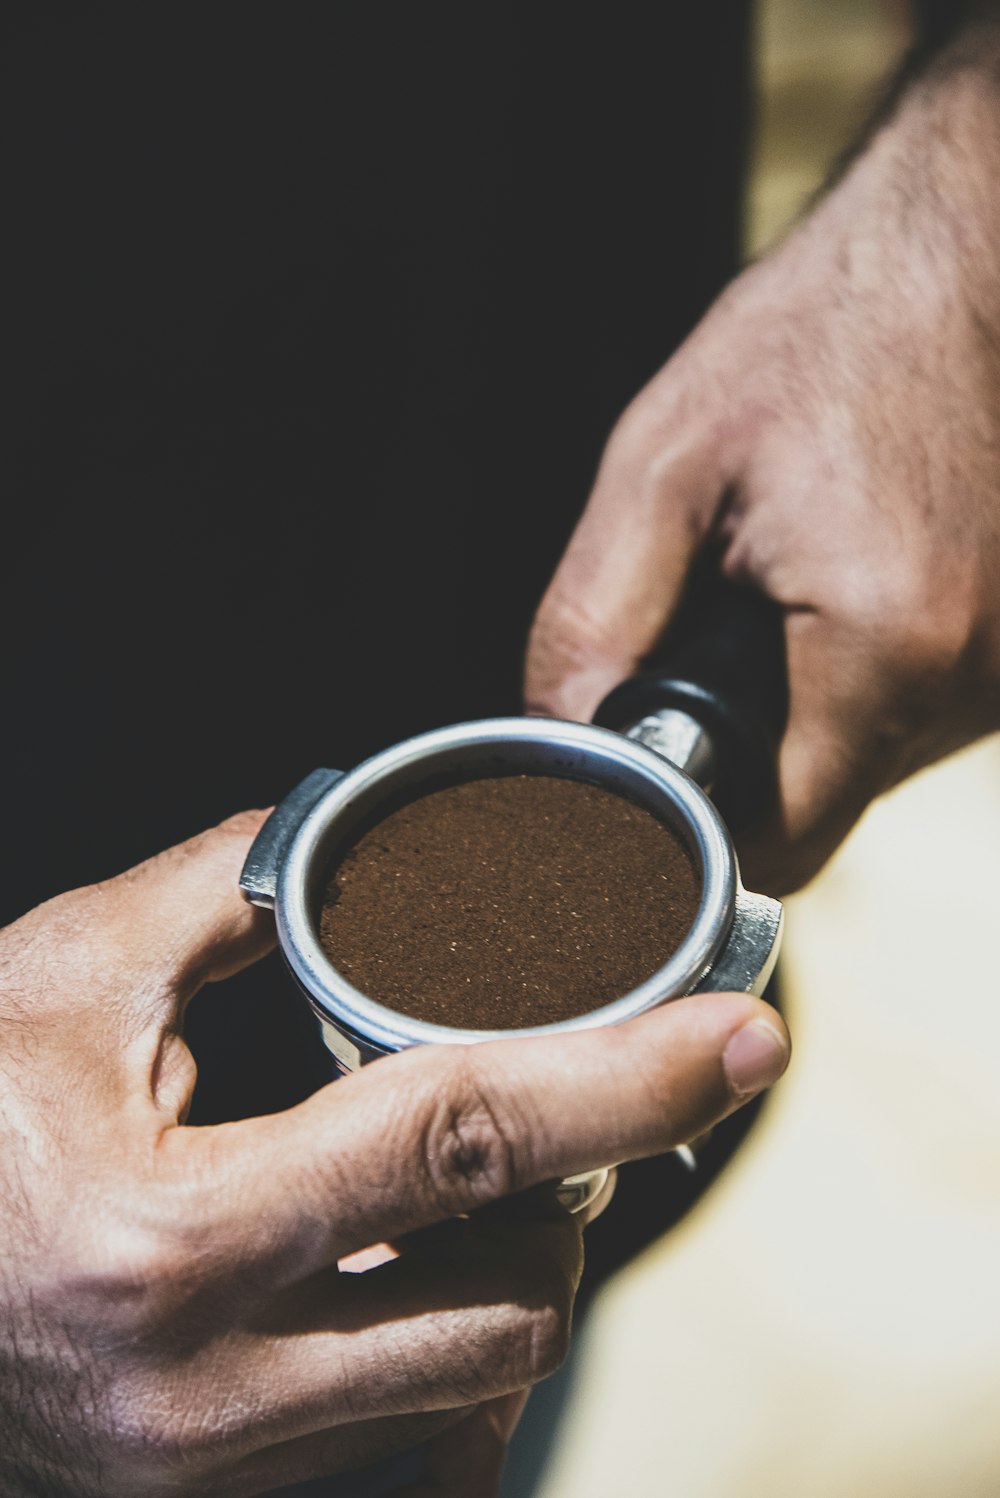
x: 140, y: 945
x: 439, y: 1131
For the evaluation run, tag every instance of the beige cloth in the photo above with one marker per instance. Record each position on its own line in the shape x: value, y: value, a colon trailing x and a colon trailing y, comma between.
x: 827, y: 1322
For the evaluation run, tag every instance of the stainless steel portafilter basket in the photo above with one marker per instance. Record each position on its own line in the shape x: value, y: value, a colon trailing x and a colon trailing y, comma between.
x: 662, y: 726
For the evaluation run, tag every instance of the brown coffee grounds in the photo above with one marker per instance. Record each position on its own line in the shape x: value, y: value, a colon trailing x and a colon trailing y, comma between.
x: 508, y: 902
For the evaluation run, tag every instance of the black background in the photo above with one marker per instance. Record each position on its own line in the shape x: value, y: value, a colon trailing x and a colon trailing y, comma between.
x: 319, y: 315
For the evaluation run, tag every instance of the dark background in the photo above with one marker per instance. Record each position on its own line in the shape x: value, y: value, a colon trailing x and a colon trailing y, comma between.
x: 319, y: 317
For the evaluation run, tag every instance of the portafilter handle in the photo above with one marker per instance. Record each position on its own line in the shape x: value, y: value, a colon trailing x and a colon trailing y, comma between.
x: 713, y: 696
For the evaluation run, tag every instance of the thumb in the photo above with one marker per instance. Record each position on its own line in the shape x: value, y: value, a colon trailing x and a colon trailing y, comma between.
x: 188, y: 921
x: 656, y: 496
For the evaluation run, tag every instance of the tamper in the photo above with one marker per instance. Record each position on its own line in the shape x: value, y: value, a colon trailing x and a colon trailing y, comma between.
x: 707, y: 716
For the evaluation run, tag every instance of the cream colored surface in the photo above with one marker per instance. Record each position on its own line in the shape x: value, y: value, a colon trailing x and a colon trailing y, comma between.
x: 821, y: 65
x: 827, y: 1322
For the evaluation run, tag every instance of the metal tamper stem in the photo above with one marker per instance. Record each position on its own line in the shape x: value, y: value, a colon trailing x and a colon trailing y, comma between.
x: 715, y: 705
x: 714, y: 698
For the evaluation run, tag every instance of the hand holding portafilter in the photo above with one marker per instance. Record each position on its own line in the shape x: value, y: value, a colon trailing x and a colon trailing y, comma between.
x: 732, y: 942
x: 175, y: 1318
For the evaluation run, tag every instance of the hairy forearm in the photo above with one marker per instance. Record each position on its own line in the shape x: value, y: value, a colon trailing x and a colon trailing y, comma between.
x: 954, y: 64
x: 925, y: 174
x: 938, y: 25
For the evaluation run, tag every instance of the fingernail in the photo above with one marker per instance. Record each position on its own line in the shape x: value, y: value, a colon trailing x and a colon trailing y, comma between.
x: 755, y: 1057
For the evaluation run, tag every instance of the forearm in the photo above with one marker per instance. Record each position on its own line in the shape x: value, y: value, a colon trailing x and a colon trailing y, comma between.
x: 954, y: 60
x: 935, y: 157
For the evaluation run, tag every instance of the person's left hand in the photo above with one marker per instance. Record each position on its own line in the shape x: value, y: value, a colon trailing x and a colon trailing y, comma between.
x: 177, y: 1319
x: 176, y: 1316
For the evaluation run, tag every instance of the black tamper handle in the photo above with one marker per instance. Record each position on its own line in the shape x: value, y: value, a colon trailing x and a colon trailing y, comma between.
x: 722, y: 661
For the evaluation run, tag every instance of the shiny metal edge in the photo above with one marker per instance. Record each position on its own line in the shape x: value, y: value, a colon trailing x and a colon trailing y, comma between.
x: 681, y: 739
x: 259, y: 875
x: 747, y: 961
x: 393, y: 1031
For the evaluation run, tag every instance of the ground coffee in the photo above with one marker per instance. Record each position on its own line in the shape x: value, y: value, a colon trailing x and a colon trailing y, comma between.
x: 506, y: 902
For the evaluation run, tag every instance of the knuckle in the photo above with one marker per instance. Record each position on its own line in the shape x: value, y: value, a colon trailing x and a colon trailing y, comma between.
x: 219, y: 846
x: 226, y: 840
x: 544, y: 1338
x: 540, y: 1286
x: 911, y: 622
x: 126, y: 1277
x: 159, y: 1435
x: 926, y: 599
x: 569, y: 628
x: 468, y: 1151
x: 642, y: 441
x: 244, y: 824
x: 549, y: 1342
x: 925, y: 634
x: 633, y: 436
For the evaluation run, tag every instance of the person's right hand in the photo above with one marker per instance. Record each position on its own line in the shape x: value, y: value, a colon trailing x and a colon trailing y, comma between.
x: 832, y: 428
x: 174, y: 1318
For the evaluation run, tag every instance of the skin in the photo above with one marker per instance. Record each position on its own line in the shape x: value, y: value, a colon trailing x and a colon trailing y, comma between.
x: 175, y: 1318
x: 833, y: 425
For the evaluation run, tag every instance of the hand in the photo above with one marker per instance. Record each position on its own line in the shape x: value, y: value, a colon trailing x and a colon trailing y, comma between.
x: 834, y: 425
x: 175, y: 1322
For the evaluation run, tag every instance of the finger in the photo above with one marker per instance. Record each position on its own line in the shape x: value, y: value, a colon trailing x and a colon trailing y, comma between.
x: 187, y: 920
x: 431, y: 1133
x: 467, y: 1460
x: 657, y: 493
x: 482, y: 1319
x: 838, y: 752
x: 849, y: 738
x: 152, y: 936
x: 474, y: 1457
x: 327, y: 1453
x: 538, y: 1204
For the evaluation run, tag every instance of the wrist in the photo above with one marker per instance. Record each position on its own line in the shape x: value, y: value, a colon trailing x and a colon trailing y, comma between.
x: 937, y: 156
x: 918, y: 207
